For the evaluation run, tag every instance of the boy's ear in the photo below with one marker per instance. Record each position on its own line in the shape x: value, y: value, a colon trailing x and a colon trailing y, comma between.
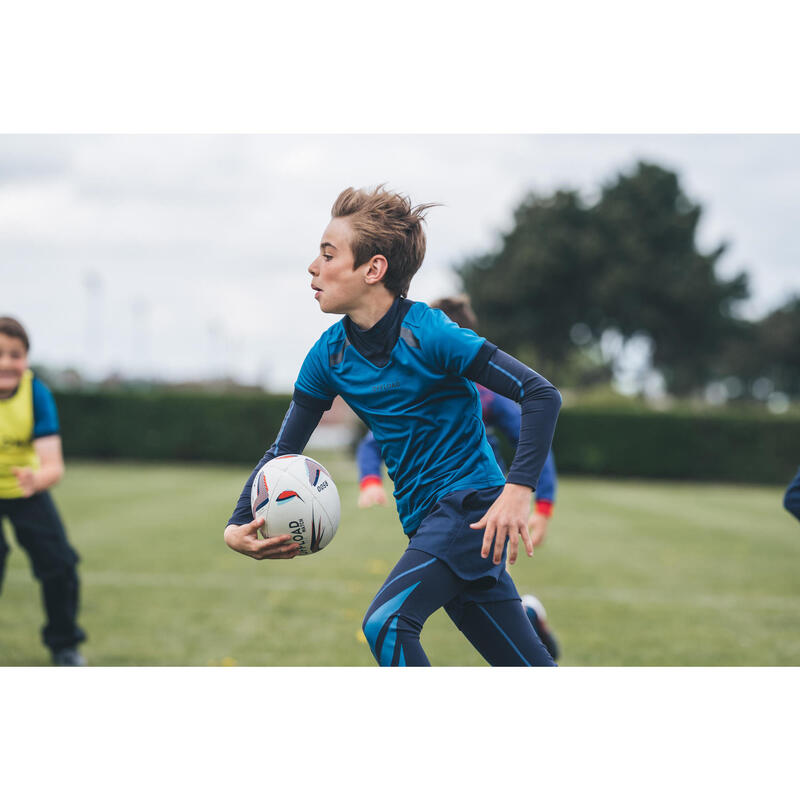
x: 376, y: 269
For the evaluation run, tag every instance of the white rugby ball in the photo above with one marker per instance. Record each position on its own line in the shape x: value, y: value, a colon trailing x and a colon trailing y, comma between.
x: 296, y: 495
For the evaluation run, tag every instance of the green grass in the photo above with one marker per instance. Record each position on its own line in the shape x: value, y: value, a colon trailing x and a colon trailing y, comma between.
x: 632, y: 573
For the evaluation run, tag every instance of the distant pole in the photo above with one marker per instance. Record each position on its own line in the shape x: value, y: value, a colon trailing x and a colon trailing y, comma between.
x: 95, y: 345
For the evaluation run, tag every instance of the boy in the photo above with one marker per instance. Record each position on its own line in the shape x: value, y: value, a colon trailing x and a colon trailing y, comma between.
x: 408, y: 372
x: 497, y: 412
x: 30, y: 463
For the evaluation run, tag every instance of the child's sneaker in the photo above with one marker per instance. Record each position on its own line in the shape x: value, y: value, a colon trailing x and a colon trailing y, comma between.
x: 68, y: 657
x: 538, y: 617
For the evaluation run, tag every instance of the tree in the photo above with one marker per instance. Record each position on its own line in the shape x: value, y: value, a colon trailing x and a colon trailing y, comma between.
x: 568, y: 271
x: 767, y: 348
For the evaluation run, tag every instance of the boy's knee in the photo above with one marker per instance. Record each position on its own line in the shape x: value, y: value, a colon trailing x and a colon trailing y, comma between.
x: 388, y: 630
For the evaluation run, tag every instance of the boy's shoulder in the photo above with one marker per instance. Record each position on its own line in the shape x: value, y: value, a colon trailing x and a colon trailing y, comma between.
x: 419, y: 314
x: 332, y: 340
x: 333, y: 336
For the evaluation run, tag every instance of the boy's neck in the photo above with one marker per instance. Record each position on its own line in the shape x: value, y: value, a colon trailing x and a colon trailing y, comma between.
x: 372, y: 311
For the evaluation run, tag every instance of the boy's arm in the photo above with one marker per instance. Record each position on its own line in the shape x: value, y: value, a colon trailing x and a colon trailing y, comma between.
x: 46, y: 443
x: 540, y: 402
x: 506, y: 417
x: 241, y: 534
x: 51, y: 466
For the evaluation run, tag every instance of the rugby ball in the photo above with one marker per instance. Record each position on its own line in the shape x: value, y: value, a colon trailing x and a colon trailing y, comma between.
x: 296, y: 495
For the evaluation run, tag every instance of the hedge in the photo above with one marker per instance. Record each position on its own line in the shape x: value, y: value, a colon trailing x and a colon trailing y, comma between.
x: 173, y: 427
x: 238, y: 428
x: 677, y: 445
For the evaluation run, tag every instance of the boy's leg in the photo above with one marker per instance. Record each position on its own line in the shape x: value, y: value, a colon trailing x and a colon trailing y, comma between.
x: 39, y: 531
x: 497, y: 626
x: 415, y: 588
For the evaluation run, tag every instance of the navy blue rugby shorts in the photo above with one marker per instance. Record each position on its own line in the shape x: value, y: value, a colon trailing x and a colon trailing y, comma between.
x: 445, y: 533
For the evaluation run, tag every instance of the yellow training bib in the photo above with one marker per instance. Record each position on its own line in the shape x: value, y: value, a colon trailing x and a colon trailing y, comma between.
x: 16, y: 436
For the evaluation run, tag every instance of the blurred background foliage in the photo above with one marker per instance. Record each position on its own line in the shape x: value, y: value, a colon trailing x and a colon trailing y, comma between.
x: 609, y: 297
x: 573, y: 282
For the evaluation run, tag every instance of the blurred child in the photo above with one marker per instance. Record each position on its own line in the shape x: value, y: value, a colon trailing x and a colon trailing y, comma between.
x: 30, y: 463
x: 409, y: 373
x: 791, y: 500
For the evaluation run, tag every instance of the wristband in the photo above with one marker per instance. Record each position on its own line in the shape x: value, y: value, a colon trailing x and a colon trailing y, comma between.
x: 544, y: 507
x: 370, y: 480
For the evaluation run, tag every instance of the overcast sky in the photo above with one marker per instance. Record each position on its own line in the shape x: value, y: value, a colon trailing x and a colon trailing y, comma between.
x: 184, y: 256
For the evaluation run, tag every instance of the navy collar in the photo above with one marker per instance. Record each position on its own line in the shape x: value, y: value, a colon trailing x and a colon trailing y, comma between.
x: 376, y: 343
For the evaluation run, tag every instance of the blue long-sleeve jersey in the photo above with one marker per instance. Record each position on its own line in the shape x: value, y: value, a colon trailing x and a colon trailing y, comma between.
x: 411, y: 379
x: 498, y: 412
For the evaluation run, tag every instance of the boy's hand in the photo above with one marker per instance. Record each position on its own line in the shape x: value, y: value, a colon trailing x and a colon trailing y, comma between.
x: 507, y: 518
x: 244, y: 539
x: 537, y: 525
x: 372, y: 495
x: 26, y: 478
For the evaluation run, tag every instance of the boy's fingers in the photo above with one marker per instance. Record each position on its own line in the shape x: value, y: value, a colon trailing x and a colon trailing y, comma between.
x: 481, y: 523
x: 487, y: 539
x: 513, y: 547
x: 526, y: 538
x: 499, y: 542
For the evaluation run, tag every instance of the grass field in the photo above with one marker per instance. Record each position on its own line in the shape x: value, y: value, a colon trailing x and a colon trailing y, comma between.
x: 632, y: 573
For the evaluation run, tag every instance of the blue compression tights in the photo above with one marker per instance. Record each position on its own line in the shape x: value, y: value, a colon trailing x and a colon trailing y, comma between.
x: 419, y: 584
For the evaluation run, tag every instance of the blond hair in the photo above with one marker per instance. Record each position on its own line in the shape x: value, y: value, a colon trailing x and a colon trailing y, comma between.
x: 385, y: 223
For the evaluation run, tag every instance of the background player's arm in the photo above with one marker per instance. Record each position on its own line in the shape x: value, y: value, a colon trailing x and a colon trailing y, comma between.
x: 51, y: 466
x: 540, y: 402
x: 368, y: 456
x: 545, y: 500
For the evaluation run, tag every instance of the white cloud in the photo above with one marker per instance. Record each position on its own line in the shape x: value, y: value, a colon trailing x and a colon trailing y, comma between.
x: 215, y: 232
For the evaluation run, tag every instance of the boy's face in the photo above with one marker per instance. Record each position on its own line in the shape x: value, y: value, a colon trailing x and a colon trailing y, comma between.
x: 13, y: 362
x: 338, y: 288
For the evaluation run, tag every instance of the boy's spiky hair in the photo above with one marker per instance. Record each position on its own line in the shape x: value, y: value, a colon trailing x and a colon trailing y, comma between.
x: 385, y: 223
x: 13, y: 329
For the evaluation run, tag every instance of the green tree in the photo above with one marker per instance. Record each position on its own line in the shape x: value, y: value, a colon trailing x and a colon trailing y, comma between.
x: 767, y: 348
x: 568, y: 270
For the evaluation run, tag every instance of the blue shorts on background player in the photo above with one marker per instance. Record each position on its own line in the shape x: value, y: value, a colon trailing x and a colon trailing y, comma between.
x: 30, y: 463
x: 791, y: 500
x: 409, y: 373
